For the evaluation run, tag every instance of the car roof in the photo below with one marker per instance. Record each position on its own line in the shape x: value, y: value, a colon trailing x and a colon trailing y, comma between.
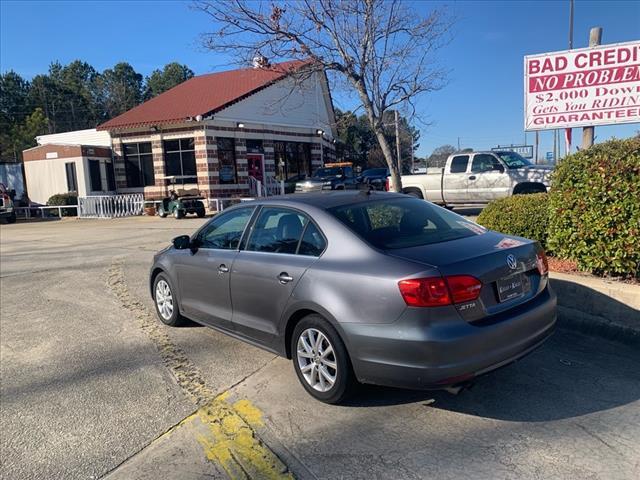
x: 329, y: 199
x: 476, y: 152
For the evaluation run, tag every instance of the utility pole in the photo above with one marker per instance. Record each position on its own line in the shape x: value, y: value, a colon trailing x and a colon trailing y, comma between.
x: 595, y: 37
x: 555, y: 145
x: 537, y: 141
x: 570, y: 24
x: 398, y: 150
x: 567, y: 131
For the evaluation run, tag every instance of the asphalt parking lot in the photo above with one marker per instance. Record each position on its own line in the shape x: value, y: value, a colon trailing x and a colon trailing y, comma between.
x: 92, y: 386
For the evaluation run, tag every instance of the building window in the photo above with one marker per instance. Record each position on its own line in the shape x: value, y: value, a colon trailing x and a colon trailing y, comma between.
x: 293, y: 160
x: 94, y: 176
x: 180, y: 159
x: 254, y: 146
x: 138, y: 162
x: 72, y: 177
x: 227, y: 160
x: 111, y: 177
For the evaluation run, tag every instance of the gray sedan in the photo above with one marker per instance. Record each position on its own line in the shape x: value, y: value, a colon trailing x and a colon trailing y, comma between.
x: 369, y: 287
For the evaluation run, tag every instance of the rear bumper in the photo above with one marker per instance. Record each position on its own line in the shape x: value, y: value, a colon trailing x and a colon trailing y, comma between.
x: 425, y: 353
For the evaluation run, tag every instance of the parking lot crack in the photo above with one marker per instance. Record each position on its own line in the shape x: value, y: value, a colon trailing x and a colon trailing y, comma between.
x: 187, y: 375
x: 227, y: 436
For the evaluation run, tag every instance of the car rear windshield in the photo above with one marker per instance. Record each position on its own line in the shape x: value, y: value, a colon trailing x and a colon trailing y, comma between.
x: 374, y: 172
x: 404, y: 223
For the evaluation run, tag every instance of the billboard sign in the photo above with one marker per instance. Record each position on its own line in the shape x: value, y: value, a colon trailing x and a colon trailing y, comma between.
x: 525, y: 150
x: 582, y: 87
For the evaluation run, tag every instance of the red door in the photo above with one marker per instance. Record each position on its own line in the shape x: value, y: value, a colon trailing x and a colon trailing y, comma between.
x: 254, y: 165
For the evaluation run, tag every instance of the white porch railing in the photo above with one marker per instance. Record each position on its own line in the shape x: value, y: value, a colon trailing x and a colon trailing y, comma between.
x: 110, y: 206
x: 255, y: 187
x: 273, y: 186
x: 270, y: 187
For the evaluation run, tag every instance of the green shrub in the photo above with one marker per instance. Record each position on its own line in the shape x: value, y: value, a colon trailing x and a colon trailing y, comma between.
x: 595, y: 208
x: 522, y: 215
x: 64, y: 199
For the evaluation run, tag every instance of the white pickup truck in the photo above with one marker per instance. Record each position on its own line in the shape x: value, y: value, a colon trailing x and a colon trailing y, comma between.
x: 477, y: 178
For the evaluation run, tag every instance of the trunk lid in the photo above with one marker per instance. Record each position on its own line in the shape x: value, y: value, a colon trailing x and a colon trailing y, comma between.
x: 505, y: 265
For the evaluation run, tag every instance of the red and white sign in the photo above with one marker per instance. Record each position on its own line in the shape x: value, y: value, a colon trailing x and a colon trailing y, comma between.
x: 583, y: 87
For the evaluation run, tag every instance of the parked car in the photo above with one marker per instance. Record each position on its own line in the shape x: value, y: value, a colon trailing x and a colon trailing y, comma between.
x: 290, y: 183
x: 364, y: 286
x: 7, y: 212
x: 477, y: 178
x: 375, y: 177
x: 333, y: 176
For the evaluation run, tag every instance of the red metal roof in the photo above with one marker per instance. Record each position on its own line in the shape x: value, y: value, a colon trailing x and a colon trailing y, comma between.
x: 201, y: 95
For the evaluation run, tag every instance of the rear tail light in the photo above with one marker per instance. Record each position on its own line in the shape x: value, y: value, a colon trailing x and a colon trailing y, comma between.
x: 386, y: 185
x: 439, y: 291
x: 464, y: 288
x: 542, y: 263
x: 425, y: 292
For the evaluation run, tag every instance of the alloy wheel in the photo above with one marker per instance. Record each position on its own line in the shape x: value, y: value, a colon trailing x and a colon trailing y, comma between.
x: 317, y: 360
x: 164, y: 299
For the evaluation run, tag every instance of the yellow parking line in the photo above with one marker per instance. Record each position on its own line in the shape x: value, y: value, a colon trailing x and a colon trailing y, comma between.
x: 231, y: 442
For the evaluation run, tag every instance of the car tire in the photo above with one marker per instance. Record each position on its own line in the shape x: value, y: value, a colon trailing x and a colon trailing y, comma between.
x: 178, y: 214
x: 12, y: 218
x: 165, y: 301
x: 324, y: 369
x: 162, y: 213
x: 200, y: 213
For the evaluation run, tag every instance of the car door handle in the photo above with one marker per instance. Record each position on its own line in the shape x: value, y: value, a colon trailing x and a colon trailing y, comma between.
x: 223, y: 268
x: 472, y: 177
x: 284, y: 277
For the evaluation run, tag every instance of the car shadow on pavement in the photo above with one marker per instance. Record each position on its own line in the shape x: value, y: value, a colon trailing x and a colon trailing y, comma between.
x: 570, y: 376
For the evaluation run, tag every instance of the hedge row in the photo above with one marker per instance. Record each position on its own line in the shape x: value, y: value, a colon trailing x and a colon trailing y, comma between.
x: 64, y: 199
x: 591, y: 214
x: 522, y: 215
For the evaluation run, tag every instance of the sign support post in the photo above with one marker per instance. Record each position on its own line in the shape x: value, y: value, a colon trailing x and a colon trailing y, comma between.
x: 595, y: 37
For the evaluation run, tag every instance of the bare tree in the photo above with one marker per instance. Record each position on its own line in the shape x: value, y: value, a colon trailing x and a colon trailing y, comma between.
x: 383, y: 49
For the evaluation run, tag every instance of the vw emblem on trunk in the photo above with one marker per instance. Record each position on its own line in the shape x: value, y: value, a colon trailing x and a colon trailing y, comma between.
x: 512, y: 262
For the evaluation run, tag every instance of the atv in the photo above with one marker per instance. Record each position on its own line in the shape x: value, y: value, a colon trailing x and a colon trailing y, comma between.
x: 182, y: 202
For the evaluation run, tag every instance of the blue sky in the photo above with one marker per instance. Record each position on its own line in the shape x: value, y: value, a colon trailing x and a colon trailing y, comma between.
x: 482, y: 104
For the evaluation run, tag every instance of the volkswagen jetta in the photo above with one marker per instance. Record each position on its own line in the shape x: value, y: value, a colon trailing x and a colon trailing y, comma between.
x: 369, y: 287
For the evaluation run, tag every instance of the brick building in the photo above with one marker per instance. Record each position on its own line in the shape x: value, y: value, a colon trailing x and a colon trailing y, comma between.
x: 223, y: 131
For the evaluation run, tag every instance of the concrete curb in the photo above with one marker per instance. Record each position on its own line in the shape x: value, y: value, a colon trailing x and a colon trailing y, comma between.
x: 598, y: 307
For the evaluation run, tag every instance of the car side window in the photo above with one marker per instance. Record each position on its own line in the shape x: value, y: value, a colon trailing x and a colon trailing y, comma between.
x: 459, y: 164
x: 225, y: 230
x: 484, y: 163
x: 312, y: 242
x: 277, y: 230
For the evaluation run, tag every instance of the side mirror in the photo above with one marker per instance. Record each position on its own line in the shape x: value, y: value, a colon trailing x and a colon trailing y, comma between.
x: 182, y: 242
x: 499, y: 168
